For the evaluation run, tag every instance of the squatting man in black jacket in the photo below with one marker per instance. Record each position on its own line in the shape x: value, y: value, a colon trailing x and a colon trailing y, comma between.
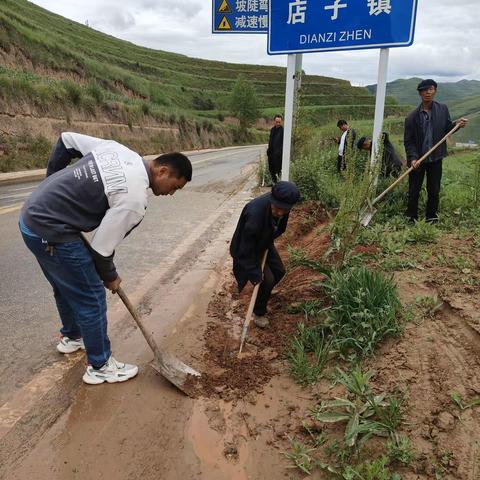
x: 275, y: 149
x: 106, y: 190
x: 424, y: 127
x: 262, y: 221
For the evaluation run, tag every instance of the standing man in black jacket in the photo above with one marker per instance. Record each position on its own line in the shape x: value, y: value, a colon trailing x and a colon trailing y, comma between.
x: 424, y: 127
x: 275, y: 149
x: 262, y: 221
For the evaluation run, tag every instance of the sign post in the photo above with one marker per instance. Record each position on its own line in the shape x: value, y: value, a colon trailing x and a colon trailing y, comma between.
x: 294, y: 75
x: 379, y: 105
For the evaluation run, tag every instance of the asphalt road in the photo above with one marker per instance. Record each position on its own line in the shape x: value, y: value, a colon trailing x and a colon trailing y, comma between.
x: 27, y: 311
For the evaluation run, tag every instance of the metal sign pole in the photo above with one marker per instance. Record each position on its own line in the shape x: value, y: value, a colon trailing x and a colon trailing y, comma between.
x: 288, y: 120
x: 379, y: 106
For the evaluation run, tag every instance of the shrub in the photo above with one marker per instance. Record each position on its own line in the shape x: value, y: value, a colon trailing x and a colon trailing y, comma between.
x: 316, y: 177
x: 95, y: 91
x: 73, y: 92
x: 365, y: 309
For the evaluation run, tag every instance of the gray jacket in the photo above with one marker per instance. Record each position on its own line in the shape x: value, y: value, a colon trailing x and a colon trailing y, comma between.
x: 413, y: 136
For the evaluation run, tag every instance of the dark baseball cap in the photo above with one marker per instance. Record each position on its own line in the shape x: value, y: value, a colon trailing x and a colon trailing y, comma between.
x: 285, y: 195
x: 424, y: 84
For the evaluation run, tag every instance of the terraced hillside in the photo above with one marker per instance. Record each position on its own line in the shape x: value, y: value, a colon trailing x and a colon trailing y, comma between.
x: 68, y: 74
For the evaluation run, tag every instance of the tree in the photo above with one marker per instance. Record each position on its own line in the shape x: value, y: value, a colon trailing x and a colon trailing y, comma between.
x: 244, y: 102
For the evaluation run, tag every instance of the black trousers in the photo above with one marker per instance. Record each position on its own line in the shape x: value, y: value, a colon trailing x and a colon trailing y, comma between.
x: 275, y: 168
x: 341, y: 165
x: 273, y: 272
x: 433, y: 171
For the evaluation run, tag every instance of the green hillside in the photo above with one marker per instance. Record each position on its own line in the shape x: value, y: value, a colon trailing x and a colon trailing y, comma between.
x: 468, y: 107
x: 71, y: 76
x: 49, y: 59
x: 405, y: 90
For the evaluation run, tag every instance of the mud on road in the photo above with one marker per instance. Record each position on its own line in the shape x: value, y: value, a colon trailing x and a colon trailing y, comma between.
x: 247, y: 409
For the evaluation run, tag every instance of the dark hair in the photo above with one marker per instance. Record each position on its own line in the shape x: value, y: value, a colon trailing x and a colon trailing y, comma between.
x: 361, y: 142
x: 341, y: 122
x: 178, y: 163
x: 278, y: 116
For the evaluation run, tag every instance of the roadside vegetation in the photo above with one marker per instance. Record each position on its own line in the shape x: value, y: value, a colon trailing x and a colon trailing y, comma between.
x: 360, y: 432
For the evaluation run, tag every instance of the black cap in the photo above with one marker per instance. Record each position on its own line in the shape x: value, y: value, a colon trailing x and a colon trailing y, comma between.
x: 285, y: 195
x: 424, y: 84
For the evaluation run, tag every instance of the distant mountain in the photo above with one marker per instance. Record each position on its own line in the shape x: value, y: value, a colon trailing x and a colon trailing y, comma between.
x: 470, y: 108
x: 405, y: 90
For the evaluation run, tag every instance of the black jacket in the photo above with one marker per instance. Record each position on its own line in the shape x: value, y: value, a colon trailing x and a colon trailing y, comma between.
x: 275, y: 143
x: 255, y: 233
x: 391, y: 162
x: 413, y: 137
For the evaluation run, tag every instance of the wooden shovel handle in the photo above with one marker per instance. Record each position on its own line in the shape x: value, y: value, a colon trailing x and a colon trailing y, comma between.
x: 401, y: 177
x: 133, y: 312
x: 248, y: 317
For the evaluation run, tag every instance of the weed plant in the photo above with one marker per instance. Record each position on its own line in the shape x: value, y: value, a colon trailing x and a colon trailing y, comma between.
x: 309, y: 353
x: 365, y: 309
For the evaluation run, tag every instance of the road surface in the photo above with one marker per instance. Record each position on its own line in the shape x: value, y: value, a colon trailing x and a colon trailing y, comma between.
x: 27, y: 310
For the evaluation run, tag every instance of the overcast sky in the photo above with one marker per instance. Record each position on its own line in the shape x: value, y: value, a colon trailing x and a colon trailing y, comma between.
x: 447, y: 39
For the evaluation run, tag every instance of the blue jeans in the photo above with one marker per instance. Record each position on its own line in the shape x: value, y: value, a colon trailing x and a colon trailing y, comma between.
x: 78, y: 290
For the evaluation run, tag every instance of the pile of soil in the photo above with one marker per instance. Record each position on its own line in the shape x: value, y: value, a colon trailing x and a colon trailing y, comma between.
x: 231, y: 376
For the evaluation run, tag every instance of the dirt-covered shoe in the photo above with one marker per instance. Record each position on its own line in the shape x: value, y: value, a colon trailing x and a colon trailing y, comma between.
x: 261, y: 321
x: 69, y: 345
x: 112, y: 372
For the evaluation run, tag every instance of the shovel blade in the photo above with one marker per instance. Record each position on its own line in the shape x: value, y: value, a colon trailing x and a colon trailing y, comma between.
x: 176, y: 372
x: 367, y: 216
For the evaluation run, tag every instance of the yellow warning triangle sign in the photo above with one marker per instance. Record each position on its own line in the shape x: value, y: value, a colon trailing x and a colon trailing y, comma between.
x: 224, y: 24
x: 224, y: 7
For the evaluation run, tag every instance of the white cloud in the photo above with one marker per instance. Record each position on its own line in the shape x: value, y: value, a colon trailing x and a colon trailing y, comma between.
x: 446, y: 46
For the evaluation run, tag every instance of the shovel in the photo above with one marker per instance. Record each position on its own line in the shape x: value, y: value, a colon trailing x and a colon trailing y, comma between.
x: 370, y: 211
x: 164, y: 363
x: 248, y: 317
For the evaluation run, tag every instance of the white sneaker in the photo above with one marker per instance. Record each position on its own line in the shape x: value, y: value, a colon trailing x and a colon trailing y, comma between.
x: 112, y: 372
x: 261, y: 321
x: 68, y: 345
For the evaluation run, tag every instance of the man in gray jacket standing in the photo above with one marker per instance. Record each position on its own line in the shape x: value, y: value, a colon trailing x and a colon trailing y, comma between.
x: 424, y: 127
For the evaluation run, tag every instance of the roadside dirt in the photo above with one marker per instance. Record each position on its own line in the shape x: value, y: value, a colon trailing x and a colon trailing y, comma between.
x: 247, y: 409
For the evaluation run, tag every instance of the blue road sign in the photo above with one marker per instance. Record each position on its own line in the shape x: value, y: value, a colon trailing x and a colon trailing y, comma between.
x: 299, y: 26
x: 240, y: 16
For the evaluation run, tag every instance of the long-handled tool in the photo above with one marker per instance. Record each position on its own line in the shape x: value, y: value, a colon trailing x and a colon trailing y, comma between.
x: 248, y: 317
x: 174, y: 370
x: 370, y: 211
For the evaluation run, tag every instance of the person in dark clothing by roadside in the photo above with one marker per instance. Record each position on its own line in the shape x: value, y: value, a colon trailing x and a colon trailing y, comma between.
x: 424, y: 127
x: 275, y: 149
x: 262, y: 221
x: 391, y: 162
x: 346, y: 139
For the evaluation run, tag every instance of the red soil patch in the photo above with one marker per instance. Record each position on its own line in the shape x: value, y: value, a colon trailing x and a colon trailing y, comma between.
x: 232, y: 377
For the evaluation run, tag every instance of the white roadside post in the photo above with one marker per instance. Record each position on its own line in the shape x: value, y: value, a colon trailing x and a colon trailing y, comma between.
x: 379, y: 106
x: 294, y: 76
x: 288, y: 120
